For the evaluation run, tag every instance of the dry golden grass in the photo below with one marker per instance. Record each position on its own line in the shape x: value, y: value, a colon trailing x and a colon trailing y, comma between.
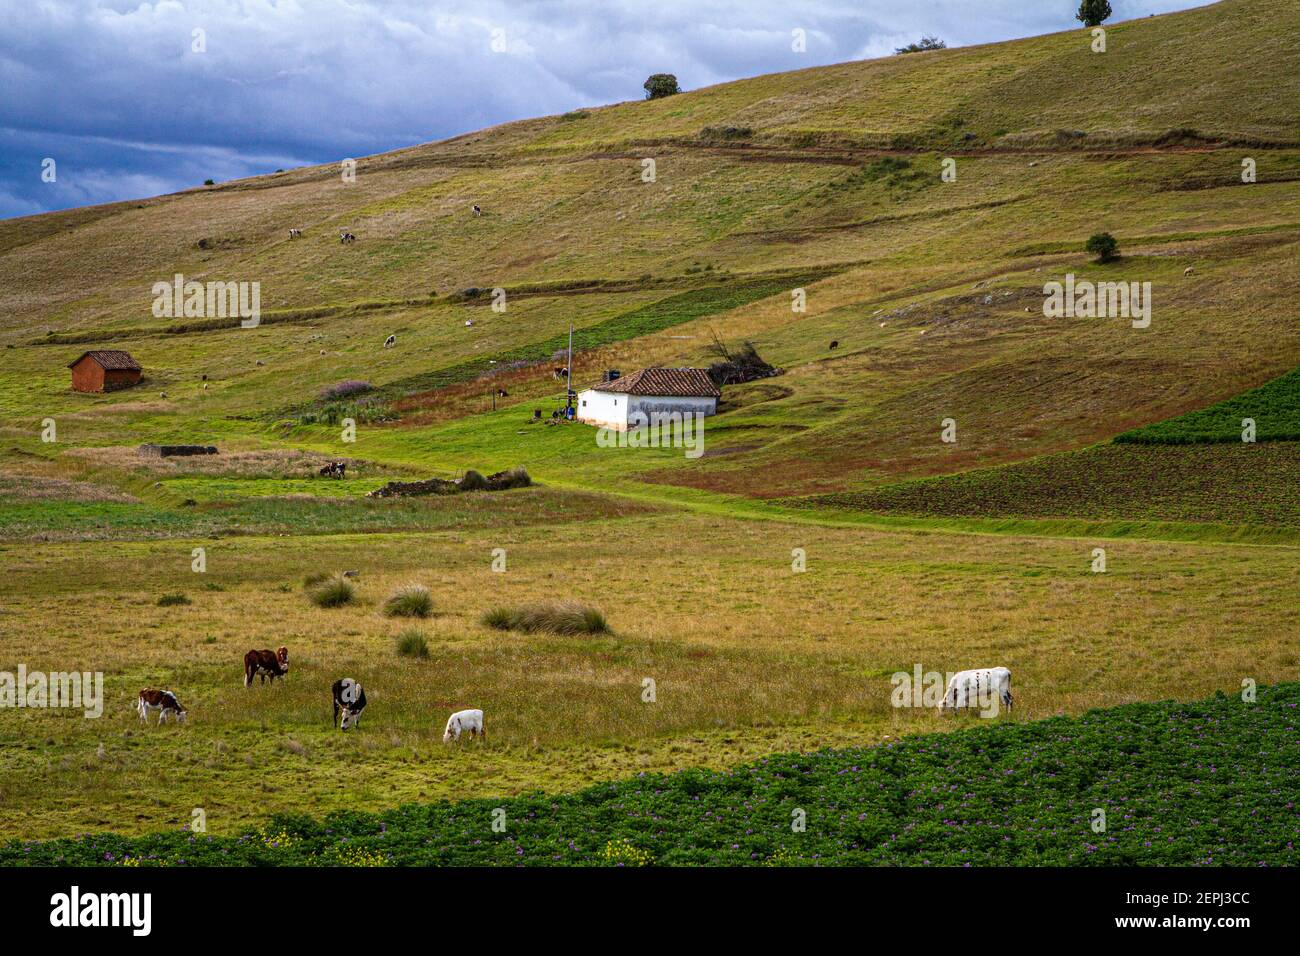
x: 745, y: 654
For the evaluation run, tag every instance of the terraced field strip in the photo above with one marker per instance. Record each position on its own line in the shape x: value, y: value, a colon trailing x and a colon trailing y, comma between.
x: 646, y: 320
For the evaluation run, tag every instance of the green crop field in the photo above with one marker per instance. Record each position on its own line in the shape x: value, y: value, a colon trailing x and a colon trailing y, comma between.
x: 1185, y: 784
x: 927, y: 478
x: 1274, y: 408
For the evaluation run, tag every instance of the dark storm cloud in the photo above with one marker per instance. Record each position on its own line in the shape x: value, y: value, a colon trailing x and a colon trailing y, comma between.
x: 115, y: 93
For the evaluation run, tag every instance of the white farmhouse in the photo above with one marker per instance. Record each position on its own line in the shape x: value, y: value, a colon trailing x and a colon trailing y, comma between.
x: 635, y: 398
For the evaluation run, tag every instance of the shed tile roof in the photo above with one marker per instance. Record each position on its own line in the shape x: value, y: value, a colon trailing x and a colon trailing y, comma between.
x: 111, y: 360
x: 675, y: 382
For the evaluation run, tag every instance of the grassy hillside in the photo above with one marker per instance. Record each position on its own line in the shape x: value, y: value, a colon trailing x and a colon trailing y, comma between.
x: 825, y: 181
x: 1179, y: 784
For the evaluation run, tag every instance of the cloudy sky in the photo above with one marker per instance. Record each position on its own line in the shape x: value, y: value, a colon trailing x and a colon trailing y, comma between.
x: 118, y: 94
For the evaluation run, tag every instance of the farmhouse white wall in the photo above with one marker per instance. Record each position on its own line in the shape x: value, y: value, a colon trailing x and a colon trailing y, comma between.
x: 603, y: 409
x: 615, y: 409
x: 648, y: 405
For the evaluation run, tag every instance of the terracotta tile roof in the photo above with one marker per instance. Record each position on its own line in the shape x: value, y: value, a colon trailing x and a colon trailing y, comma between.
x: 675, y: 382
x: 112, y: 360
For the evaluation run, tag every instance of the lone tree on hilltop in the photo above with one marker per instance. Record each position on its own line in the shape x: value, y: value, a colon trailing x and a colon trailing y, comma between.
x: 926, y: 43
x: 1103, y: 246
x: 660, y: 85
x: 1093, y: 12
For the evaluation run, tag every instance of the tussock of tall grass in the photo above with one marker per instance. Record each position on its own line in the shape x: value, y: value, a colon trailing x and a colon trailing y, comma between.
x: 173, y: 600
x: 330, y: 591
x: 412, y: 644
x: 413, y: 600
x: 473, y: 481
x: 561, y: 618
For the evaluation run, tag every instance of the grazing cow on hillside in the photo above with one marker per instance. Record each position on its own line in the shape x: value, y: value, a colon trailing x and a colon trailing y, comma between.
x: 468, y: 721
x: 477, y: 210
x: 835, y: 345
x: 560, y: 372
x: 334, y: 469
x: 295, y: 233
x: 350, y: 700
x: 390, y: 341
x: 163, y: 701
x: 270, y: 664
x: 978, y: 688
x: 347, y: 237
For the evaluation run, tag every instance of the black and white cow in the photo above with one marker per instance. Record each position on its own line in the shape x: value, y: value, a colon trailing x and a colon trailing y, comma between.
x: 350, y: 701
x: 334, y: 469
x: 163, y: 701
x: 295, y: 233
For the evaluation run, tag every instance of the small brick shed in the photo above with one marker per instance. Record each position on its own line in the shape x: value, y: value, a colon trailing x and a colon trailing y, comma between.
x: 105, y: 370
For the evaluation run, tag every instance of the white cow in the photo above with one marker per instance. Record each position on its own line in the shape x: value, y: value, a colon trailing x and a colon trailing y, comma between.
x: 464, y: 720
x: 978, y: 688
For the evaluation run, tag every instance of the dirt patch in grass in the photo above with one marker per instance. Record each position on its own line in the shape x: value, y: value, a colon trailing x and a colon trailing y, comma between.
x: 269, y: 463
x: 33, y: 488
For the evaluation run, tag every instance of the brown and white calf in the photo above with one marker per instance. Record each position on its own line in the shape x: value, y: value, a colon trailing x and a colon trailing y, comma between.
x: 267, y: 664
x: 163, y: 701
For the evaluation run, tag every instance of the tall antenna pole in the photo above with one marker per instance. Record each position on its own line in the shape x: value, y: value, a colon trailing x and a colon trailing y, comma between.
x: 568, y: 391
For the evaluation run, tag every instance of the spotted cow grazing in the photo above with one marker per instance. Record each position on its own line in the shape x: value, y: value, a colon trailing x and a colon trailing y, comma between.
x: 266, y: 664
x: 334, y: 469
x: 390, y: 341
x: 295, y: 233
x: 464, y: 721
x: 983, y: 688
x: 477, y: 210
x: 835, y: 345
x: 350, y: 701
x: 163, y: 701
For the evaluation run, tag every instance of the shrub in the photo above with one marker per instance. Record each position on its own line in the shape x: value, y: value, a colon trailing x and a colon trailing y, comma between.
x: 411, y: 601
x: 926, y: 43
x: 412, y: 644
x: 345, y: 389
x: 333, y: 591
x: 659, y: 85
x: 209, y: 182
x: 1093, y: 12
x: 562, y: 618
x: 171, y: 600
x: 1104, y: 246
